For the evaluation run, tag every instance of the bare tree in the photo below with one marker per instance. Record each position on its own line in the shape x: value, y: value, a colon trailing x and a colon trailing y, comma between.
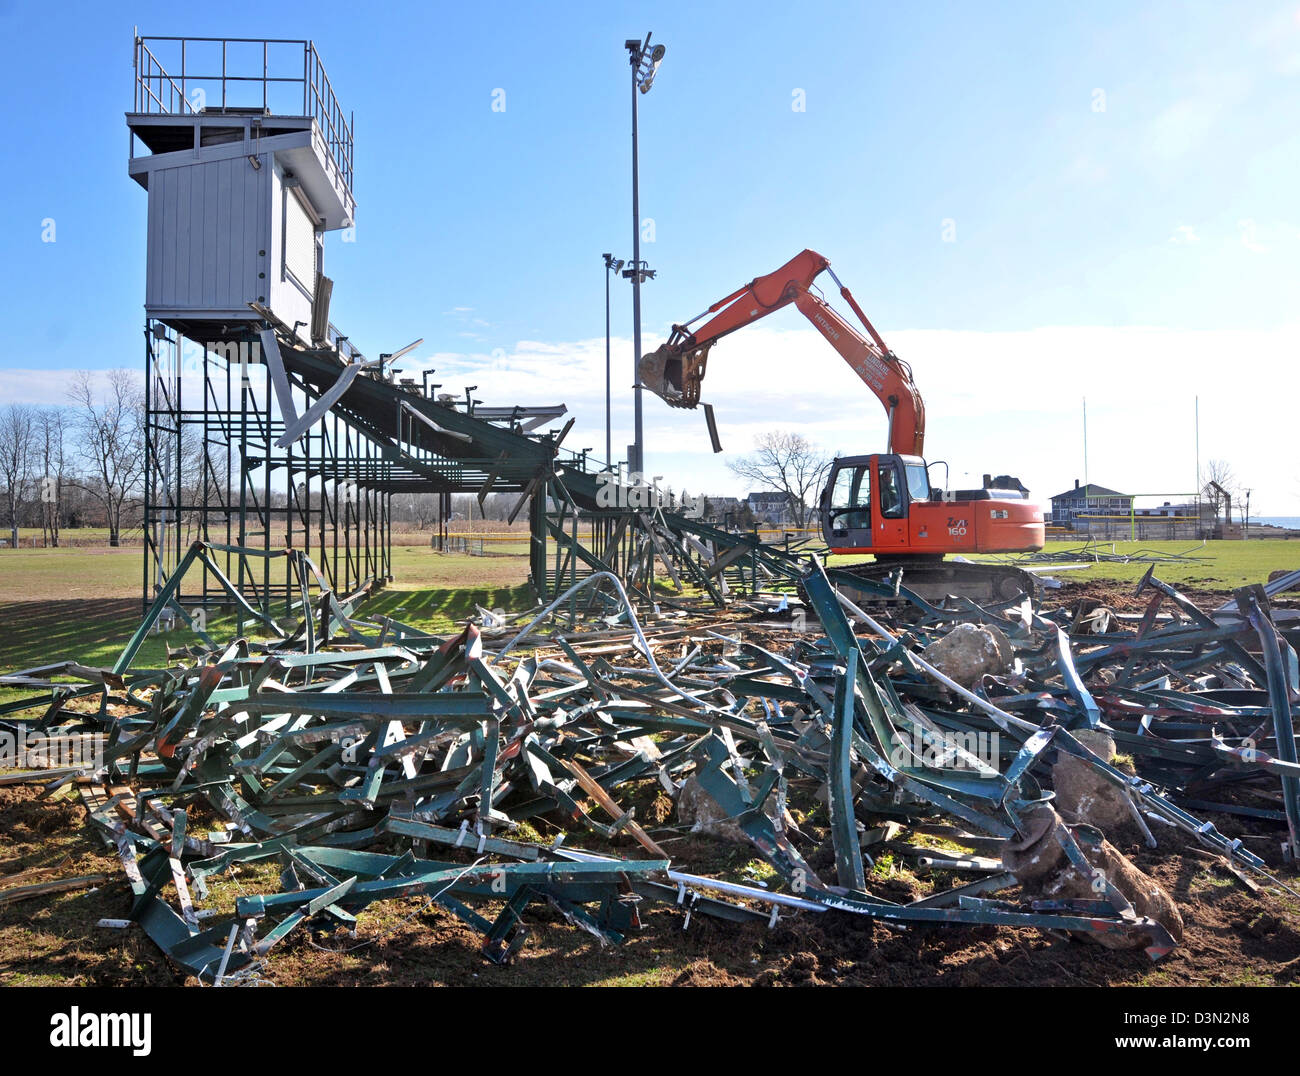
x: 50, y: 437
x: 789, y: 464
x: 1220, y: 486
x: 111, y: 431
x: 496, y: 507
x: 17, y: 426
x: 193, y: 482
x: 424, y: 509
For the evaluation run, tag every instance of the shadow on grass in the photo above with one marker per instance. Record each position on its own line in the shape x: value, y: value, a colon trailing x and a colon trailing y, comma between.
x: 94, y: 631
x: 442, y: 609
x: 91, y: 630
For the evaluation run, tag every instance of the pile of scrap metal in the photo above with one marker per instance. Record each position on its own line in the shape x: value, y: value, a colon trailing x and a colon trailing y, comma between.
x: 372, y: 761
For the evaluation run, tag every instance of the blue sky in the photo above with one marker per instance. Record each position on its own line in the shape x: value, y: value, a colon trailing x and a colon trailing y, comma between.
x: 1119, y: 182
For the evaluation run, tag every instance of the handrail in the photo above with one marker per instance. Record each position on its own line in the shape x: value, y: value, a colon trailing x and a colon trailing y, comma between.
x: 159, y: 92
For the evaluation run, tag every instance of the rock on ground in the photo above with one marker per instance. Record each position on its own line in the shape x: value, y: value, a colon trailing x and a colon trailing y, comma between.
x: 699, y: 810
x: 969, y: 651
x: 1040, y: 864
x: 1083, y: 794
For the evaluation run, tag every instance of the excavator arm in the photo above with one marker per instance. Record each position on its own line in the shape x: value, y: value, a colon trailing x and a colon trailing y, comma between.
x: 674, y: 371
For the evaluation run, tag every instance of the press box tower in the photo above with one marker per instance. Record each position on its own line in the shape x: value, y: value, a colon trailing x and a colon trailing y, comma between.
x: 247, y: 159
x: 248, y: 164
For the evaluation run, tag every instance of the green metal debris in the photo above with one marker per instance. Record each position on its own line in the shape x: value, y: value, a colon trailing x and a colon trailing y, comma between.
x: 371, y: 761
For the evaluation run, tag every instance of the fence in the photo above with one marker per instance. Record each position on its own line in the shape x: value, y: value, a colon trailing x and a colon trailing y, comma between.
x: 482, y: 545
x: 70, y: 538
x: 1138, y: 528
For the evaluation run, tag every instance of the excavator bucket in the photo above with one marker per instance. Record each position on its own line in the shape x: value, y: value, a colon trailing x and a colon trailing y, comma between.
x: 674, y: 375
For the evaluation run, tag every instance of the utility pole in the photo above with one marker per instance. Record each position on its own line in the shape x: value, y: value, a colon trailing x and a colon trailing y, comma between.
x: 1196, y: 418
x: 1085, y: 450
x: 645, y: 62
x: 638, y: 436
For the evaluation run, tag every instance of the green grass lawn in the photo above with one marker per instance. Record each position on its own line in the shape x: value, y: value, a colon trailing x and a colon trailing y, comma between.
x: 1214, y: 565
x: 59, y: 604
x: 437, y: 591
x: 84, y: 604
x: 70, y: 573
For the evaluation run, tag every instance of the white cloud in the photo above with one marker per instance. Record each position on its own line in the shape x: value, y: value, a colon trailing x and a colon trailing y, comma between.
x: 1250, y: 236
x: 996, y: 402
x: 1185, y: 124
x: 44, y: 388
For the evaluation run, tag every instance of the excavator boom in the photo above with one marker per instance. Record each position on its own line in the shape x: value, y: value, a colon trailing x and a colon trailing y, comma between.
x: 674, y: 372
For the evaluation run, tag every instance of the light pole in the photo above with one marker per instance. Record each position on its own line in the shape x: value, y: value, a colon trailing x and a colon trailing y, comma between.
x: 612, y: 264
x: 645, y: 62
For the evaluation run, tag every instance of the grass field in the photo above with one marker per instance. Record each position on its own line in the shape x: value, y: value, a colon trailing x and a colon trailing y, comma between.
x: 57, y: 604
x: 84, y: 603
x: 1211, y: 566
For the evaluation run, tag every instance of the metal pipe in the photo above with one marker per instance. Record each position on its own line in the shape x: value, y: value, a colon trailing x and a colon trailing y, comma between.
x: 631, y: 619
x: 1000, y: 716
x: 699, y: 881
x: 1280, y: 703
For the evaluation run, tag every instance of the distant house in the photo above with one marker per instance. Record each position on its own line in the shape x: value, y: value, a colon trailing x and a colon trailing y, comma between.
x: 724, y: 509
x: 1168, y: 510
x: 1088, y: 501
x: 770, y: 507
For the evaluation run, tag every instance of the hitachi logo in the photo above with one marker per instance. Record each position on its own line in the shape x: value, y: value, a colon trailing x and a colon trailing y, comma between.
x: 75, y: 1028
x: 826, y: 327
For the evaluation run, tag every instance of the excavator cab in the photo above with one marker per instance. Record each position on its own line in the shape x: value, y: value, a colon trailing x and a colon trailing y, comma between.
x: 884, y: 505
x: 867, y: 500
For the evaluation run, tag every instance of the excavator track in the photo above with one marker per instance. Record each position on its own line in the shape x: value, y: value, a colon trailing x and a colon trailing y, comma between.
x: 934, y: 580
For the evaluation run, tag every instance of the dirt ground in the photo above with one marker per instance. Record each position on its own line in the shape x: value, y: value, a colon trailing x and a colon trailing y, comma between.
x: 1232, y: 936
x: 1122, y: 597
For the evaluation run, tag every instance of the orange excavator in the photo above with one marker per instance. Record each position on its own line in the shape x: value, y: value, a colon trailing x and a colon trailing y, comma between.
x: 882, y: 504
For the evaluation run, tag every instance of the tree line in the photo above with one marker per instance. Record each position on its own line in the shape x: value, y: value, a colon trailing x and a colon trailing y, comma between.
x: 76, y: 465
x: 82, y: 464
